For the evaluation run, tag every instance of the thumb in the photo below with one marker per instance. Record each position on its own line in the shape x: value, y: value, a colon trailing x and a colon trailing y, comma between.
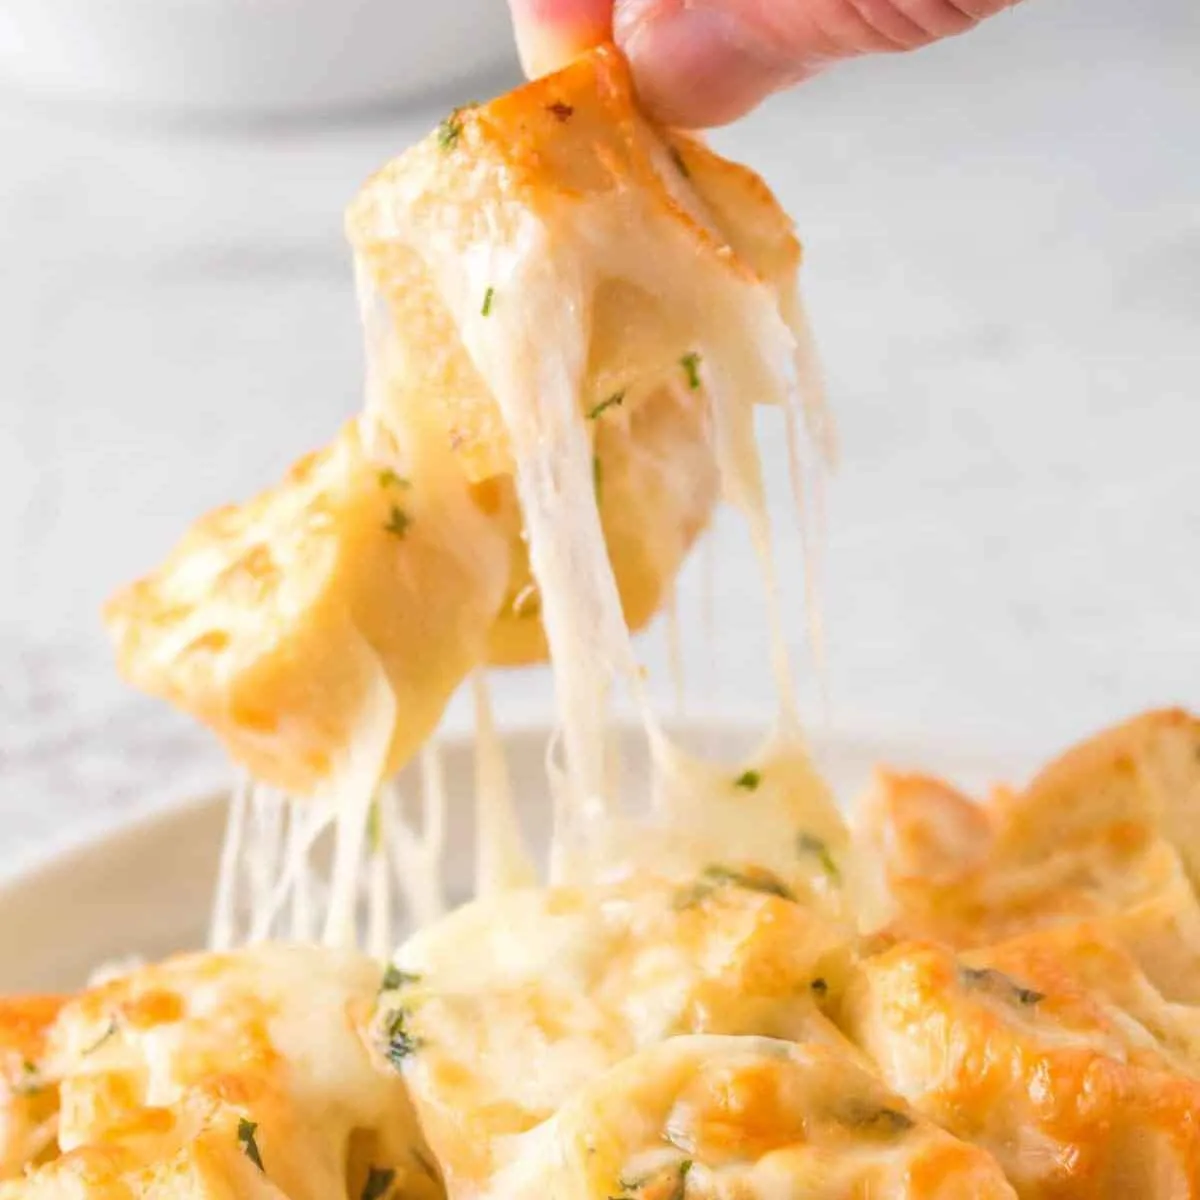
x: 552, y: 32
x: 705, y: 62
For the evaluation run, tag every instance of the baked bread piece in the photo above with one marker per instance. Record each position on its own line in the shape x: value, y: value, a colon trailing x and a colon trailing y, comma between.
x: 650, y: 237
x: 510, y: 1005
x: 747, y: 1117
x: 656, y: 485
x: 226, y: 1076
x: 551, y: 273
x: 1106, y: 833
x: 329, y: 618
x: 28, y: 1101
x: 1053, y: 1052
x: 313, y: 625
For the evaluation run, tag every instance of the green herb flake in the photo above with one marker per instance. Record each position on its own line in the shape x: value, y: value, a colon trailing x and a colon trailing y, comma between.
x: 597, y: 476
x: 398, y: 522
x: 450, y: 130
x: 989, y: 979
x: 246, y: 1130
x: 389, y: 478
x: 615, y: 399
x: 717, y: 876
x: 561, y: 110
x: 691, y: 368
x: 881, y: 1122
x: 748, y: 781
x: 109, y: 1033
x: 819, y: 988
x: 680, y: 165
x: 30, y: 1082
x: 680, y: 1188
x: 488, y: 297
x: 401, y: 1044
x: 809, y: 846
x: 379, y: 1183
x: 394, y: 977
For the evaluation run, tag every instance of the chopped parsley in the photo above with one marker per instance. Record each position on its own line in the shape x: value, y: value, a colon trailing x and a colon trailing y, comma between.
x: 632, y: 1189
x: 401, y: 1044
x: 379, y: 1183
x: 450, y: 130
x: 717, y: 876
x: 612, y: 401
x: 989, y: 979
x: 389, y: 478
x: 394, y: 977
x: 882, y: 1122
x: 691, y: 368
x: 748, y: 780
x: 809, y: 846
x: 245, y: 1136
x: 680, y: 1188
x: 398, y: 522
x: 110, y: 1032
x: 680, y: 165
x: 597, y: 476
x: 30, y: 1082
x: 488, y: 297
x: 563, y: 111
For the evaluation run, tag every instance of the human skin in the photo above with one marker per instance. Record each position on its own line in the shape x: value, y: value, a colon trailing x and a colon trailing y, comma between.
x: 700, y: 63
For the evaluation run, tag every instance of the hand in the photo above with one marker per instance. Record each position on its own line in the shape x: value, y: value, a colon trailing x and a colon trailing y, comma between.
x: 705, y: 62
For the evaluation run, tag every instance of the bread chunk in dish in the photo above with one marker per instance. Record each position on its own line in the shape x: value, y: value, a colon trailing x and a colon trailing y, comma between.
x: 506, y: 1008
x: 233, y: 1075
x: 710, y: 1116
x: 1107, y: 833
x: 1053, y: 1052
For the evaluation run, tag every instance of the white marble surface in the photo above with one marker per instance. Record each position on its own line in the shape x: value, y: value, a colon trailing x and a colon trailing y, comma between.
x: 1004, y: 272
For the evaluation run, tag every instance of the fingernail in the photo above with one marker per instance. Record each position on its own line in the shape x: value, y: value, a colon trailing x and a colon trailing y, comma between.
x: 550, y: 33
x: 696, y: 66
x: 545, y: 48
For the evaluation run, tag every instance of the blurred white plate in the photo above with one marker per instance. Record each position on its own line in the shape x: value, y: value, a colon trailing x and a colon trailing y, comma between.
x: 146, y: 888
x: 251, y: 57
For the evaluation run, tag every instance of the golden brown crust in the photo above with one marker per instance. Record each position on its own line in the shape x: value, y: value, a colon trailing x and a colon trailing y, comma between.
x: 174, y: 1079
x: 348, y: 592
x: 742, y: 1117
x: 1006, y: 1049
x: 573, y: 152
x: 1102, y: 834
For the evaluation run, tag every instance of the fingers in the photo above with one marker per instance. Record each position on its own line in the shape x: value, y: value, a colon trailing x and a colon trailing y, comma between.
x: 552, y: 32
x: 705, y: 62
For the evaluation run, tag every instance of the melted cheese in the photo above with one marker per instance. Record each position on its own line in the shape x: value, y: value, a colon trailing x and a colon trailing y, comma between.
x: 517, y: 1001
x: 613, y: 266
x: 570, y: 318
x: 746, y: 1117
x: 153, y: 1073
x: 1075, y: 1092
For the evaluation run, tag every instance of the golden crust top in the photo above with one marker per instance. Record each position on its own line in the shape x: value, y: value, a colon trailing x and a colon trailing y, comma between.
x: 244, y: 1074
x: 1105, y: 834
x: 1006, y: 1048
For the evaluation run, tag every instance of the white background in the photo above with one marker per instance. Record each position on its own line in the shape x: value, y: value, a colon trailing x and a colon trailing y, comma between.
x: 1003, y: 238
